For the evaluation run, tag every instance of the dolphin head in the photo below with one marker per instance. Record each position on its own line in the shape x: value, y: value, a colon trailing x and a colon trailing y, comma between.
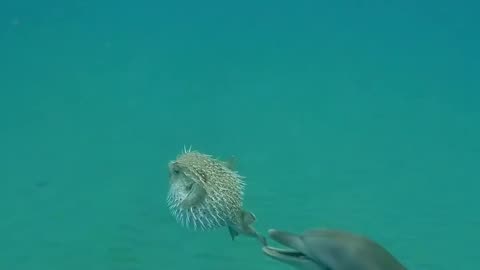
x: 297, y: 254
x: 330, y: 250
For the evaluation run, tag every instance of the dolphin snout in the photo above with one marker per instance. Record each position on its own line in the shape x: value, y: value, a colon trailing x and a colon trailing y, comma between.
x: 287, y: 239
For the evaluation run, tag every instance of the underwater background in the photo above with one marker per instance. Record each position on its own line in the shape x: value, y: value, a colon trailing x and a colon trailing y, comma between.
x: 357, y: 115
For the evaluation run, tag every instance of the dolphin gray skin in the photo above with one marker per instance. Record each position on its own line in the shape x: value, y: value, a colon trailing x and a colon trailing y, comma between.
x: 325, y: 249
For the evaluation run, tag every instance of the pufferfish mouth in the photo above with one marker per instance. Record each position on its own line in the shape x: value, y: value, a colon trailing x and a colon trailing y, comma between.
x: 187, y: 195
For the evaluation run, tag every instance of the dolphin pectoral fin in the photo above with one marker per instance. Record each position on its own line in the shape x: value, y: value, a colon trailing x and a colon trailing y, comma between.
x: 196, y: 195
x: 233, y: 232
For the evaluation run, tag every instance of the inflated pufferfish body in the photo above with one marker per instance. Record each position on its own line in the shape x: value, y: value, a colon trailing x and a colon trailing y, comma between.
x: 206, y: 193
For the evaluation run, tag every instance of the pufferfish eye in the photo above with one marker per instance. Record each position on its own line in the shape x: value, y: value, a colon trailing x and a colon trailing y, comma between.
x: 175, y: 170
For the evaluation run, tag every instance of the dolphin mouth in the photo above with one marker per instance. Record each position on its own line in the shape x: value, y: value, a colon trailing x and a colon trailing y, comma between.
x: 283, y: 254
x: 291, y: 254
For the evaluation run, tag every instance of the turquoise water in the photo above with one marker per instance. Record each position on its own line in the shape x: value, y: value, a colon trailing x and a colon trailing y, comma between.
x: 356, y: 115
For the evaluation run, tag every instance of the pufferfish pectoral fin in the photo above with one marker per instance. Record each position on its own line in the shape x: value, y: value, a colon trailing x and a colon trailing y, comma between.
x: 196, y: 195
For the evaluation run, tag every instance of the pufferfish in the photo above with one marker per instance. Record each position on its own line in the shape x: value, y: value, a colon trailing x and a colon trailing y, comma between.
x: 206, y: 194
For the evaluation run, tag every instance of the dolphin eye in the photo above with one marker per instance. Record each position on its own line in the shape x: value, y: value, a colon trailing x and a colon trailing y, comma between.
x: 189, y: 187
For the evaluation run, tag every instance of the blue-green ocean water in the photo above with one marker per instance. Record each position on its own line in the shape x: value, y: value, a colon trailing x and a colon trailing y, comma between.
x: 358, y: 115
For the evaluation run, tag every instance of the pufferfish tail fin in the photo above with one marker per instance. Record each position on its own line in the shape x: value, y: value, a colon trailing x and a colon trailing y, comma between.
x: 245, y: 227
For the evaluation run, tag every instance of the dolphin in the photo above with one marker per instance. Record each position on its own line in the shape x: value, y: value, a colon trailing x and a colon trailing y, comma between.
x: 325, y: 249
